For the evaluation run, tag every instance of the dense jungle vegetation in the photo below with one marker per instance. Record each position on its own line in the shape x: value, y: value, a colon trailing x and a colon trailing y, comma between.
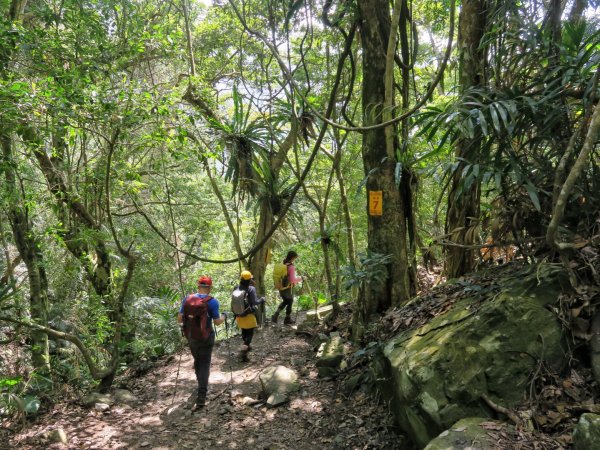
x: 145, y: 143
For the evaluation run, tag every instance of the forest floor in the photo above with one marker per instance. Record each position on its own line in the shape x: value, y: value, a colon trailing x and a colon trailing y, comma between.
x: 322, y: 414
x: 319, y: 415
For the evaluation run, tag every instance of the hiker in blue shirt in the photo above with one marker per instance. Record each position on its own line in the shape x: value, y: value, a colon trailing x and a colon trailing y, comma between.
x: 197, y: 314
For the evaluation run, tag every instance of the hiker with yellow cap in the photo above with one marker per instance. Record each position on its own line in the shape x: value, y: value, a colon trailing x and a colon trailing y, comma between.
x: 244, y: 304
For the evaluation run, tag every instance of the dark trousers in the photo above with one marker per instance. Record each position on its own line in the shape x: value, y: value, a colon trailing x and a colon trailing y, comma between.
x: 202, y: 353
x: 287, y: 300
x: 247, y: 334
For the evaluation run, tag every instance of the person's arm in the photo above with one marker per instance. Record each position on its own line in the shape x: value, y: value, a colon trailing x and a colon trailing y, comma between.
x: 213, y: 311
x: 180, y: 314
x: 252, y: 300
x: 220, y: 320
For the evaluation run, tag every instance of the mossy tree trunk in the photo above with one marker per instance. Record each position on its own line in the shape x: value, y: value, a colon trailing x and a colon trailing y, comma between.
x: 463, y: 210
x: 29, y: 248
x: 386, y: 233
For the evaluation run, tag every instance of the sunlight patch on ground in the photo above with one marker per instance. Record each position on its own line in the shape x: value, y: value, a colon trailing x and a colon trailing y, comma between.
x: 307, y: 404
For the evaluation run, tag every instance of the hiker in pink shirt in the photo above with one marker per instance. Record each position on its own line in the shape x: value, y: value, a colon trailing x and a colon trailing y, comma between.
x: 287, y: 295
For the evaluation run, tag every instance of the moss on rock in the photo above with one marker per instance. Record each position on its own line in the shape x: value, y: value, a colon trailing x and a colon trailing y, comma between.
x: 491, y: 347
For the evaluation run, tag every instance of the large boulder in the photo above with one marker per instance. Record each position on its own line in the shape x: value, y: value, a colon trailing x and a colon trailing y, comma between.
x: 330, y: 355
x: 277, y: 383
x: 315, y: 316
x: 587, y: 432
x: 483, y: 345
x: 466, y: 433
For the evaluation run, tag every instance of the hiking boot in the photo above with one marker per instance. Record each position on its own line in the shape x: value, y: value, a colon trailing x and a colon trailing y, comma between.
x: 200, y: 403
x: 288, y: 320
x: 274, y: 317
x: 245, y: 348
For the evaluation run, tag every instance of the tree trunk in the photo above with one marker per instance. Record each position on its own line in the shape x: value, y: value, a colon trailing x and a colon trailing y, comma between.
x: 29, y: 249
x: 576, y: 14
x: 595, y: 346
x: 259, y: 261
x: 386, y: 233
x: 464, y: 203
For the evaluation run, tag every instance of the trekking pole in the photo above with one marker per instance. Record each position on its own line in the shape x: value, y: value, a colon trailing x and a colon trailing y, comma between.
x: 298, y: 301
x: 177, y: 376
x: 297, y: 305
x: 229, y: 354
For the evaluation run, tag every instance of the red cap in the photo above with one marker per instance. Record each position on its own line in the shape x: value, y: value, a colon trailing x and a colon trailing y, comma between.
x: 204, y: 281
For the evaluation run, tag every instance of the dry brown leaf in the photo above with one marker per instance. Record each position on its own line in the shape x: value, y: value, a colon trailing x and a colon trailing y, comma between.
x: 491, y: 425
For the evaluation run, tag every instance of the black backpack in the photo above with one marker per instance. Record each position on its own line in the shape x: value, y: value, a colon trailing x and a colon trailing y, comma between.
x: 196, y: 323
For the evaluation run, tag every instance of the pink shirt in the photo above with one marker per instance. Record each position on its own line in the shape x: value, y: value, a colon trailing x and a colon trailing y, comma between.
x: 292, y: 279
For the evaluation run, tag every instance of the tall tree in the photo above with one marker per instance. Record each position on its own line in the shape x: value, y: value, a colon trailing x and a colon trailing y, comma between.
x: 462, y: 216
x: 386, y: 232
x: 17, y: 208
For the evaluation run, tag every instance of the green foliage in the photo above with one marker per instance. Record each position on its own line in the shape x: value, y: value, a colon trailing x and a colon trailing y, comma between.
x: 306, y: 301
x: 14, y: 398
x: 153, y: 328
x: 520, y: 121
x: 371, y: 267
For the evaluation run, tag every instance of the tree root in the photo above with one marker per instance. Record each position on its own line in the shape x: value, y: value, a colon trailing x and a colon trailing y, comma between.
x: 502, y: 410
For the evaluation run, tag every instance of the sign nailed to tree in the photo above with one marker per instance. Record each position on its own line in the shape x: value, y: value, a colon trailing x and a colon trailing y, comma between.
x: 375, y: 203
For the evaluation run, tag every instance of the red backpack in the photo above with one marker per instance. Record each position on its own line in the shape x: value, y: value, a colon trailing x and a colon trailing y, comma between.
x: 196, y: 323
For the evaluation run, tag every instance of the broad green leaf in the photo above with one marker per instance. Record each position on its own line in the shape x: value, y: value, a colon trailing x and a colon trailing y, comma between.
x: 482, y: 122
x: 532, y: 191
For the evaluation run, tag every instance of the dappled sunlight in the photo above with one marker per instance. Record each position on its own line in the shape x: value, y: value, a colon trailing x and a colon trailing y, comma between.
x: 235, y: 416
x: 309, y: 404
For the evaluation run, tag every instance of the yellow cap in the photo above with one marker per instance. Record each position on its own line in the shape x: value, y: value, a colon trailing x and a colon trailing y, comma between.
x: 246, y: 275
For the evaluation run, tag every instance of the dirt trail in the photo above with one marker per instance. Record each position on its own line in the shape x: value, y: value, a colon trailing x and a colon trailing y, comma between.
x: 318, y: 416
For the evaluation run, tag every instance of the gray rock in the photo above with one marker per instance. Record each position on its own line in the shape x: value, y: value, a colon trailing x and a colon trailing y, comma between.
x: 277, y: 399
x: 439, y: 371
x: 95, y: 397
x: 586, y: 435
x: 101, y: 407
x: 318, y: 315
x: 350, y: 384
x: 56, y: 436
x: 124, y: 396
x: 330, y: 355
x: 278, y: 379
x: 465, y: 434
x: 319, y: 339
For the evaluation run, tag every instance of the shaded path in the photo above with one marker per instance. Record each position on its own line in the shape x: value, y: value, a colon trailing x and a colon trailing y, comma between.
x: 318, y: 416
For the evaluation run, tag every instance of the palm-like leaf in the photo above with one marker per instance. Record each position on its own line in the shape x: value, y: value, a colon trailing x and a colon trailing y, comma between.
x: 523, y: 122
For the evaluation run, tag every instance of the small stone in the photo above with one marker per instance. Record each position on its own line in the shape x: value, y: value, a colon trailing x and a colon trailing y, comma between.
x: 124, y: 396
x: 95, y: 397
x: 277, y: 399
x: 101, y: 407
x: 58, y: 436
x: 145, y: 444
x: 248, y: 401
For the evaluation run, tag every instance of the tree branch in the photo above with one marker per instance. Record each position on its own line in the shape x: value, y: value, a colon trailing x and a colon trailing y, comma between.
x: 95, y: 371
x: 326, y: 119
x: 561, y: 202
